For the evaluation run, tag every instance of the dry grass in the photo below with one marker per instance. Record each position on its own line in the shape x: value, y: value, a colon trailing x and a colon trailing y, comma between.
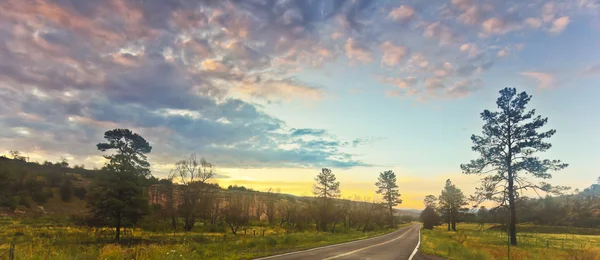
x: 471, y: 243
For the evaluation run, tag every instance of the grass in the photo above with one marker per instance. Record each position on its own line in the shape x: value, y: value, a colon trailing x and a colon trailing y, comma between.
x: 535, y: 242
x: 50, y: 241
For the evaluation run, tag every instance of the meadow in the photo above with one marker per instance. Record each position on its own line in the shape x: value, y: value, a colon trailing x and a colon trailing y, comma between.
x: 490, y: 242
x: 39, y: 239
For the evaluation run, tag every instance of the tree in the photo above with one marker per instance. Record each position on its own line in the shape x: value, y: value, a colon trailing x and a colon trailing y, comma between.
x: 236, y: 211
x: 269, y: 207
x: 387, y: 187
x: 117, y: 194
x: 430, y: 201
x: 66, y: 190
x: 325, y: 189
x: 131, y: 151
x: 510, y: 139
x: 450, y: 201
x: 429, y: 217
x: 193, y: 177
x: 482, y: 216
x: 64, y: 163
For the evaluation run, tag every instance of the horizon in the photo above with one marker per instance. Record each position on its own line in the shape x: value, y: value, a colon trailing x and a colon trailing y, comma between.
x: 272, y: 101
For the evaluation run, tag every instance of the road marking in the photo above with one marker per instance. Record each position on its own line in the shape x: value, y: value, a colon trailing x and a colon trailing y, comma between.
x: 323, y: 247
x: 417, y: 247
x: 364, y: 248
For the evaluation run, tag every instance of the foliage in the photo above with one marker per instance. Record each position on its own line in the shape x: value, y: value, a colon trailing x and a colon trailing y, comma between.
x: 325, y: 189
x: 131, y: 151
x: 510, y: 139
x: 537, y: 242
x: 239, y: 188
x: 80, y: 192
x: 387, y: 187
x: 66, y: 190
x: 450, y: 202
x: 193, y: 177
x: 46, y: 240
x: 117, y: 195
x: 429, y: 217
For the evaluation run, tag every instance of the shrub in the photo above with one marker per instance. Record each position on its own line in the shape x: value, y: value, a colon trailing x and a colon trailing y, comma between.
x: 80, y: 192
x: 41, y: 197
x: 66, y: 190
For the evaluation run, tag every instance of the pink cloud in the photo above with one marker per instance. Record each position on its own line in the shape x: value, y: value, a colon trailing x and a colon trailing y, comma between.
x: 559, y: 25
x: 403, y: 13
x: 544, y: 80
x: 358, y: 51
x: 392, y: 54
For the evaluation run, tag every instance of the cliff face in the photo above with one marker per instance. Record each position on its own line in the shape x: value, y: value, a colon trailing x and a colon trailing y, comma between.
x: 214, y: 201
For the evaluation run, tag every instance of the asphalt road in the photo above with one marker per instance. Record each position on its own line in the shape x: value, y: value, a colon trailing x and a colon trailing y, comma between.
x: 397, y: 245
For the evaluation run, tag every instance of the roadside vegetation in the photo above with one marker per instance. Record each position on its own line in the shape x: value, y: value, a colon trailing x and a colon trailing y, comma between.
x: 562, y: 226
x: 536, y: 242
x: 43, y: 238
x: 121, y: 211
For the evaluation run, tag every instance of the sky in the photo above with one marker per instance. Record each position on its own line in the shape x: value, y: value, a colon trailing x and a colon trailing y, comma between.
x: 273, y: 91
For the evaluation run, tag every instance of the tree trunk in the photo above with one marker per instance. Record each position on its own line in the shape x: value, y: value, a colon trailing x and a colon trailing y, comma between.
x: 448, y: 225
x: 391, y: 217
x: 454, y: 225
x: 118, y: 228
x: 513, y: 211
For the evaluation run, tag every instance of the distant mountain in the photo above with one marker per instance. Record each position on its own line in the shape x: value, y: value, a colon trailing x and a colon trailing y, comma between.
x: 407, y: 212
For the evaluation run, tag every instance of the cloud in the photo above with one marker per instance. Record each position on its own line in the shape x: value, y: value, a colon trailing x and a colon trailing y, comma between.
x: 591, y: 70
x: 358, y: 51
x: 392, y: 54
x: 403, y: 83
x: 559, y: 25
x: 171, y: 71
x: 533, y: 22
x: 439, y: 31
x: 497, y: 25
x: 471, y: 16
x: 473, y: 51
x: 307, y: 131
x: 464, y: 88
x: 403, y: 13
x: 286, y: 88
x: 544, y: 80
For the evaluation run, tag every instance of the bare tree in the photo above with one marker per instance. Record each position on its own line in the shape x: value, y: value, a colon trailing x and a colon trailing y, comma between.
x: 236, y: 212
x: 193, y: 177
x: 269, y: 205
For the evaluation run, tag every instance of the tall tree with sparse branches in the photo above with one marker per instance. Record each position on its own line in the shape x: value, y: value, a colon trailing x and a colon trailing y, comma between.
x: 325, y: 189
x: 192, y: 175
x: 510, y: 140
x: 388, y: 188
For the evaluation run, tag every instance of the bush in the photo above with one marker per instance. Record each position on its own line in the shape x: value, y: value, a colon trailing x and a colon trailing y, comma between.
x: 214, y: 228
x: 66, y: 191
x: 41, y: 197
x: 80, y: 192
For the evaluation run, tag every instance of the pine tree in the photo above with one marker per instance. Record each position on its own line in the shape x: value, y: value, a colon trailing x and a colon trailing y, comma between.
x: 117, y: 195
x: 510, y: 139
x: 387, y: 187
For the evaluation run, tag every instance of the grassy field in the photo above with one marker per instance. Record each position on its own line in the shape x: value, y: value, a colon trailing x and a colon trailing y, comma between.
x: 51, y: 241
x: 535, y: 242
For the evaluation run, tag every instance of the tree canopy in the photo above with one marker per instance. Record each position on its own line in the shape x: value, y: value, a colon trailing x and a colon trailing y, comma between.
x: 510, y: 140
x: 388, y: 188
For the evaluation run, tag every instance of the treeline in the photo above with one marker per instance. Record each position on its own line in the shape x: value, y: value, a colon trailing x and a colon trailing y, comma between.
x: 188, y: 200
x: 23, y: 183
x: 579, y: 209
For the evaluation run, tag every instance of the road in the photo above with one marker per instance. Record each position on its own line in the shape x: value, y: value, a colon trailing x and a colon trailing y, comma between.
x: 398, y: 245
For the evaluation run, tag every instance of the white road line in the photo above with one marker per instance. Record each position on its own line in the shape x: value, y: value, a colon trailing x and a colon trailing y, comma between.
x: 364, y: 248
x: 417, y: 247
x: 323, y: 247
